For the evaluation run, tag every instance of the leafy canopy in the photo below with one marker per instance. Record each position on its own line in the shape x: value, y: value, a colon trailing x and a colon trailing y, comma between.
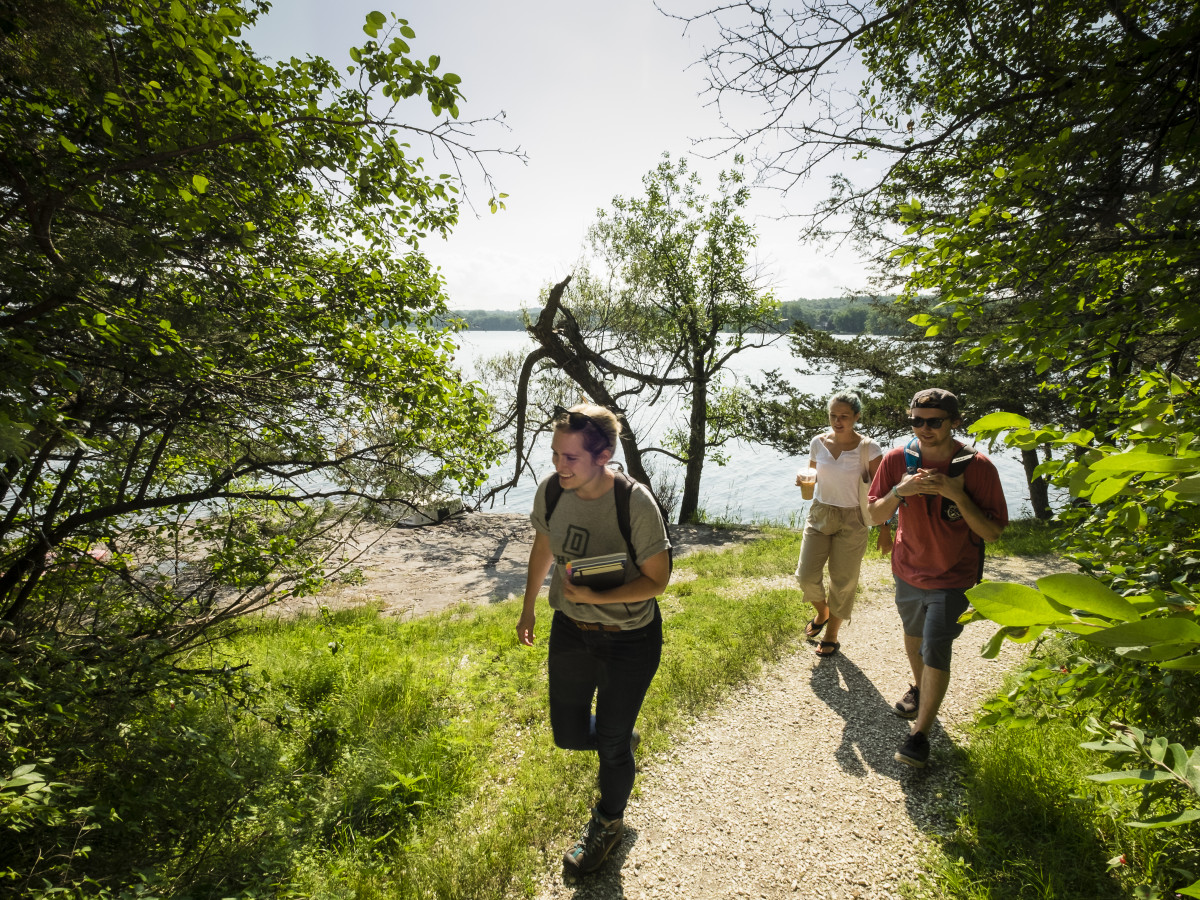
x: 219, y: 349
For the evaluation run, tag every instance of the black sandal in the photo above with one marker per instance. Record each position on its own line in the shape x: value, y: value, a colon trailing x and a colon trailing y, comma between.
x: 823, y: 644
x: 813, y: 628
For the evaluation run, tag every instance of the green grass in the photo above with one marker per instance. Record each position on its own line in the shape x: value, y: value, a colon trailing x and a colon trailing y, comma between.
x: 1034, y: 827
x: 1025, y: 834
x: 414, y: 759
x: 1028, y: 537
x: 371, y: 758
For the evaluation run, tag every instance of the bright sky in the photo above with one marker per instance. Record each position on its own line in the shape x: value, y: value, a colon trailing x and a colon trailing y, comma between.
x: 593, y: 93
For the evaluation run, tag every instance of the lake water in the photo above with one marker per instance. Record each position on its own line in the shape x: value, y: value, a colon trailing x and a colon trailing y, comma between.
x: 757, y: 484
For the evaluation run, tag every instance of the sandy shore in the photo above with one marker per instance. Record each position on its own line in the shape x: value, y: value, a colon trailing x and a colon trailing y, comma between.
x: 471, y: 558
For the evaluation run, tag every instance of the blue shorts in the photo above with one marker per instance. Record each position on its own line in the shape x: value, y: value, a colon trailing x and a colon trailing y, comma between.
x: 931, y: 615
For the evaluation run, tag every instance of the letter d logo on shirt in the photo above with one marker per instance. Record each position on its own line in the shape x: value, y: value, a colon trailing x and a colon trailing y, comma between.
x: 576, y: 542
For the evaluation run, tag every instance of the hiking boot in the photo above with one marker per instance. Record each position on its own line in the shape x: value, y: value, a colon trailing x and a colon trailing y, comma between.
x: 595, y: 845
x: 908, y: 705
x: 914, y: 751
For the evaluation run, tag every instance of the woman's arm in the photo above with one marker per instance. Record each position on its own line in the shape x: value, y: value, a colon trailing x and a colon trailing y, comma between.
x: 656, y: 572
x: 541, y: 558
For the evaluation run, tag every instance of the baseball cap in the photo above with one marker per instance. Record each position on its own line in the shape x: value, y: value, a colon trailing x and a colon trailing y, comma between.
x: 935, y: 398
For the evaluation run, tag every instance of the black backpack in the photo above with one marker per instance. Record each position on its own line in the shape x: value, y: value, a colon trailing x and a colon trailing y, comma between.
x: 622, y: 491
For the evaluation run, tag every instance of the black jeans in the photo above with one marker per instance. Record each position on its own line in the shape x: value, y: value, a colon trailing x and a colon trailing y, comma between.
x: 616, y: 667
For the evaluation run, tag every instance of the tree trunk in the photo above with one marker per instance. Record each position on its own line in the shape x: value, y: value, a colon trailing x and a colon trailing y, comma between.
x: 1039, y: 492
x: 690, y: 501
x: 570, y: 355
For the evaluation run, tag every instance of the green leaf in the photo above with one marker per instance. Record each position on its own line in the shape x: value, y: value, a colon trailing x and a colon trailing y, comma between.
x: 1186, y: 663
x: 375, y: 21
x: 1179, y: 760
x: 1131, y: 776
x: 1082, y: 592
x: 1006, y: 603
x: 200, y: 183
x: 1158, y: 749
x: 1082, y: 438
x: 1158, y: 652
x: 1192, y: 890
x: 997, y: 421
x: 1026, y: 635
x: 1189, y: 485
x: 1168, y: 821
x: 1147, y: 633
x: 1108, y: 747
x: 1134, y: 462
x: 67, y: 145
x: 991, y: 649
x: 1081, y: 627
x: 1109, y: 488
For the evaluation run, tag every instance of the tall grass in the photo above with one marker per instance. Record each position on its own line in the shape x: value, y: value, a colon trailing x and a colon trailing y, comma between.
x: 1026, y: 832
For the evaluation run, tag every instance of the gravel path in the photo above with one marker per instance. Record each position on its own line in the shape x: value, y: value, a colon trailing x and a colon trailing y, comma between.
x: 788, y: 788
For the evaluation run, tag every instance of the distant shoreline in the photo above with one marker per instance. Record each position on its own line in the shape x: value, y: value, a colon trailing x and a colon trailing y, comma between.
x: 836, y: 315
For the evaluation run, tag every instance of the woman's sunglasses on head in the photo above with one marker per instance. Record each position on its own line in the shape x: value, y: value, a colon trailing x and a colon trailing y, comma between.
x: 576, y: 421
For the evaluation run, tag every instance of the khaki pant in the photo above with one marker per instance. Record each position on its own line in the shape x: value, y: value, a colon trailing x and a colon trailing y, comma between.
x: 836, y: 536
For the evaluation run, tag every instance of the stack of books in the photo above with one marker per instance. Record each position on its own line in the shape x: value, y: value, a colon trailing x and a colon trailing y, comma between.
x: 600, y: 573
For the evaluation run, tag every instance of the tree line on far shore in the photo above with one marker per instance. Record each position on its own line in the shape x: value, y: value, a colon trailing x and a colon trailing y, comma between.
x: 857, y: 314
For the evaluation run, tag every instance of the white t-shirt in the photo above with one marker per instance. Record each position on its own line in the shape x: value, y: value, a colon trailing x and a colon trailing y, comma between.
x: 837, y: 479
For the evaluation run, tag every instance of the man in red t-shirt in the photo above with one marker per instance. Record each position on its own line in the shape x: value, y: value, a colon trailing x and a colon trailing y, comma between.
x: 938, y: 551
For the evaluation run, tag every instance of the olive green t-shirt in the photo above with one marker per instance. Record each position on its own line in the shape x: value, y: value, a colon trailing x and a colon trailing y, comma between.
x: 582, y: 528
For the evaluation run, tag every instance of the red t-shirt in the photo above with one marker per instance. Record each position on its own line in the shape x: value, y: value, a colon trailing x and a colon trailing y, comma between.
x: 931, y: 552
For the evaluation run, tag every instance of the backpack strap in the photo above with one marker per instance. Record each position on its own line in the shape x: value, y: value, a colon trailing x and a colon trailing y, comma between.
x: 622, y: 491
x: 960, y: 462
x: 554, y: 492
x: 958, y: 465
x: 912, y: 457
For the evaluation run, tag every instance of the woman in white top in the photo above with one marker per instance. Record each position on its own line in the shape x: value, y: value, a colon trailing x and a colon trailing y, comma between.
x: 836, y: 532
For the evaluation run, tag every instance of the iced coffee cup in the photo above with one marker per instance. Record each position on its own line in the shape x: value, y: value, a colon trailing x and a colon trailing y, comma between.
x: 807, y: 479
